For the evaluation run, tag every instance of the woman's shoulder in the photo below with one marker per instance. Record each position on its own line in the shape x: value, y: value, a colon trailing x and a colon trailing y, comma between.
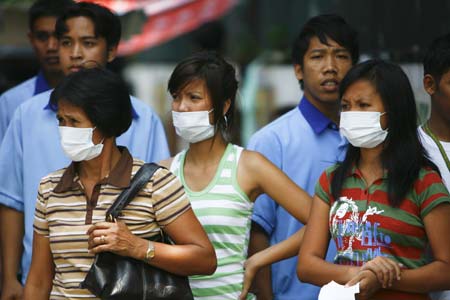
x: 55, y: 174
x: 427, y: 174
x: 429, y: 186
x: 162, y: 175
x: 251, y: 159
x: 173, y: 163
x: 427, y: 177
x: 137, y: 164
x: 323, y: 184
x: 330, y: 171
x: 52, y: 179
x: 166, y: 163
x: 429, y: 190
x: 50, y: 183
x: 325, y: 179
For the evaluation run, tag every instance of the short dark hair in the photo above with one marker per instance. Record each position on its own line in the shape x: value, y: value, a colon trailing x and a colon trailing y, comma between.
x: 101, y: 94
x: 46, y: 8
x: 106, y: 23
x: 403, y: 155
x: 326, y: 26
x: 437, y: 58
x: 220, y: 80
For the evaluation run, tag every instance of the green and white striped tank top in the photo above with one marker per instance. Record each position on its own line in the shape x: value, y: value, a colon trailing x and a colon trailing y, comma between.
x: 225, y: 211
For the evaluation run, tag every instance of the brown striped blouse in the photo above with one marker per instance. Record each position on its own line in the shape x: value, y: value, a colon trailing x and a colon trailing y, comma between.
x: 64, y: 214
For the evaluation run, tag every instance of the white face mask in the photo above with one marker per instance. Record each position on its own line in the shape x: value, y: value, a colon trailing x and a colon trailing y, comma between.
x: 77, y: 143
x: 362, y: 128
x: 193, y: 126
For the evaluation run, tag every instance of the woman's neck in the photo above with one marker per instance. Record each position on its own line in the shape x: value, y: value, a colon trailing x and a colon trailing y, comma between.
x: 98, y: 168
x: 370, y: 163
x: 206, y: 152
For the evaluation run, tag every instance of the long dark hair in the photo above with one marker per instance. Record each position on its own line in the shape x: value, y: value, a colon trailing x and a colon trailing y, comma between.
x: 403, y: 155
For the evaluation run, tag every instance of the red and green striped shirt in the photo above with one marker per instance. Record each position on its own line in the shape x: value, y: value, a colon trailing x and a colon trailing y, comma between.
x: 364, y: 225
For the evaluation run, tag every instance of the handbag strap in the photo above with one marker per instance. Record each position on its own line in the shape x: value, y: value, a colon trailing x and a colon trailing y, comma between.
x: 142, y: 177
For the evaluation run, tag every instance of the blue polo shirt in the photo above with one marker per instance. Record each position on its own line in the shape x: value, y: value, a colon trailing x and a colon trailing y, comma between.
x: 15, y: 96
x: 31, y: 149
x: 303, y: 143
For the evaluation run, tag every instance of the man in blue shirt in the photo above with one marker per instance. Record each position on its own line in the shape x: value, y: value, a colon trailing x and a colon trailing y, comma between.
x: 88, y: 34
x: 303, y: 142
x: 42, y: 17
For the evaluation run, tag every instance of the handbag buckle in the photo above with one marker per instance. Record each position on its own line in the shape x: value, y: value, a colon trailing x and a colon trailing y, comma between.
x: 110, y: 218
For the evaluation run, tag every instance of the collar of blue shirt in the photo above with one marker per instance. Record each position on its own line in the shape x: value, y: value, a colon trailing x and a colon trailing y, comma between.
x: 315, y: 118
x: 41, y: 84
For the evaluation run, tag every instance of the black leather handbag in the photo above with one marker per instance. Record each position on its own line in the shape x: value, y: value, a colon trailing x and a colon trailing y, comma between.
x: 116, y: 277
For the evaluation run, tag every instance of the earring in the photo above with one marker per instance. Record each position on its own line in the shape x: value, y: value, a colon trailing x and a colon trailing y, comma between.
x: 226, y: 120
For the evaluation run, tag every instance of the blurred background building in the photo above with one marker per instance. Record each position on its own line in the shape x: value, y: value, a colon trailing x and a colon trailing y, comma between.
x: 255, y: 35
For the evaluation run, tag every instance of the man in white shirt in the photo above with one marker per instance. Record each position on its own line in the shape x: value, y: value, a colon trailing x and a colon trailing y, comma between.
x: 435, y: 132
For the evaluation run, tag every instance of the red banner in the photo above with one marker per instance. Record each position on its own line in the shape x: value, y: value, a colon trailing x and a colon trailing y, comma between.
x: 166, y: 19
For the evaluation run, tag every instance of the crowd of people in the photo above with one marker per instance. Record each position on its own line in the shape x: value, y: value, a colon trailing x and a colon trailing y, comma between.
x: 349, y: 163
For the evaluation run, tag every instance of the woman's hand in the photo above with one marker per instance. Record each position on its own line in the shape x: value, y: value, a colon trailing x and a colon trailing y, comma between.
x: 251, y: 267
x: 368, y: 284
x: 385, y: 269
x: 116, y: 238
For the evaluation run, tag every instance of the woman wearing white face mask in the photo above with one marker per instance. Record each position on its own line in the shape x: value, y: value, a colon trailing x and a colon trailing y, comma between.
x: 401, y: 203
x: 221, y: 179
x: 93, y: 109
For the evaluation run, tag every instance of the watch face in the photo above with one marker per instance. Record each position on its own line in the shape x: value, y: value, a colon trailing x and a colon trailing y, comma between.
x: 150, y: 251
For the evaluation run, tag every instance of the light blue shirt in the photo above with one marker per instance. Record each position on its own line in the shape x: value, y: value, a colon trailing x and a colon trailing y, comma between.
x: 302, y: 143
x: 31, y: 149
x: 15, y: 96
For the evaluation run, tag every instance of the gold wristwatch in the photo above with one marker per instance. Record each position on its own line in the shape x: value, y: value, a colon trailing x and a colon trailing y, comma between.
x: 150, y: 251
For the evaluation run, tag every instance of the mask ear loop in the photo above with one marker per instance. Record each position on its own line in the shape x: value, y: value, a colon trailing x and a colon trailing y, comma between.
x: 381, y: 114
x: 101, y: 142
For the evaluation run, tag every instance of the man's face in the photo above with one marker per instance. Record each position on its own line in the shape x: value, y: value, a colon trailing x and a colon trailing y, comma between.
x: 440, y: 96
x: 323, y: 68
x: 45, y: 45
x: 80, y: 48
